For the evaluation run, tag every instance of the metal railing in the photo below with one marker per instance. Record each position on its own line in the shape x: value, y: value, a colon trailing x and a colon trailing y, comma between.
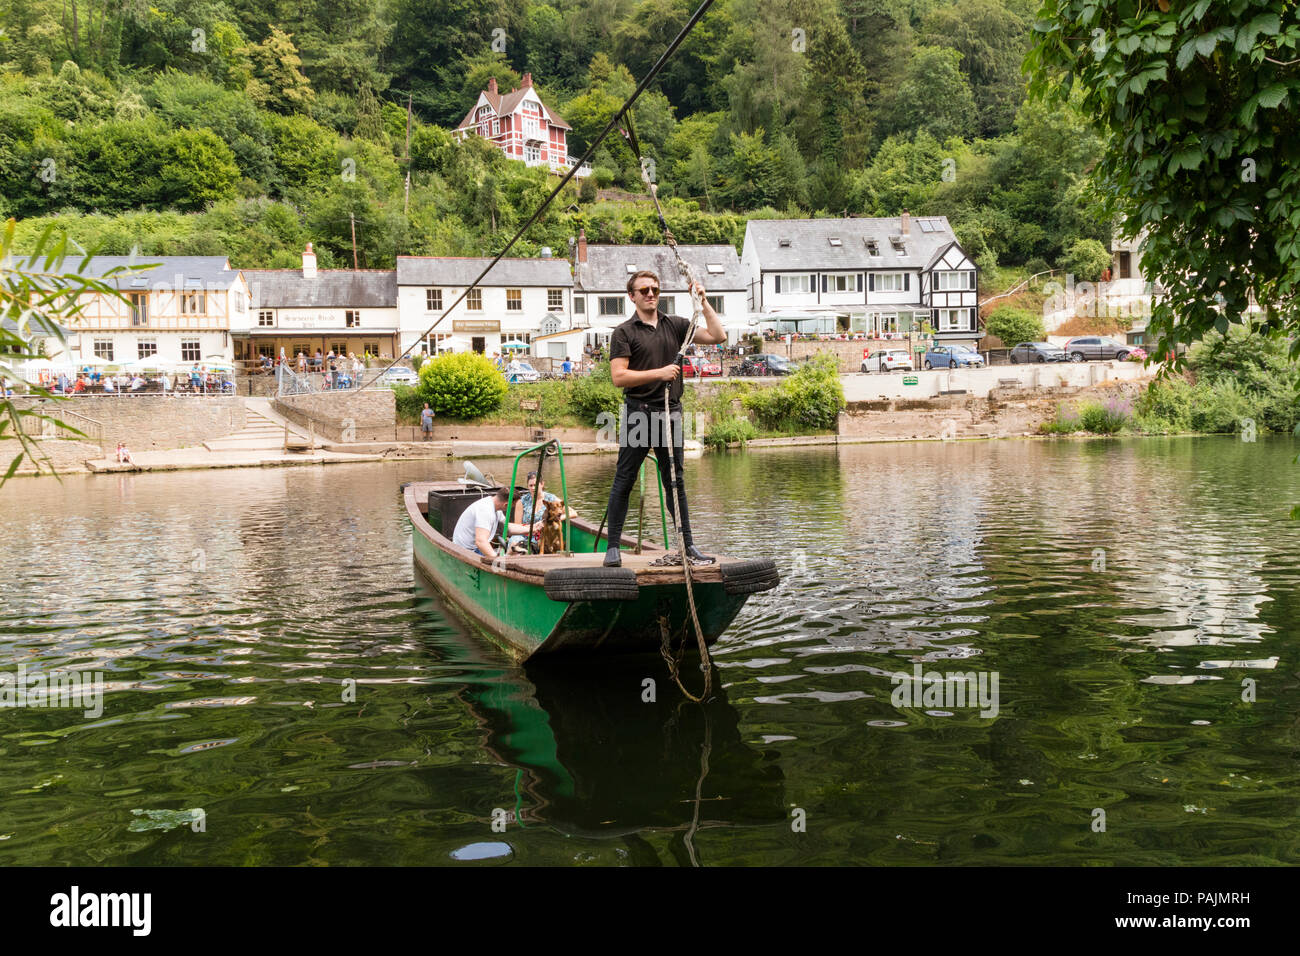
x: 289, y: 382
x: 56, y: 420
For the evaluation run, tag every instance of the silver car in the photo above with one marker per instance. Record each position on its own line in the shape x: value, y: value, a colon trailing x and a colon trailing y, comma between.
x: 399, y: 375
x: 889, y: 360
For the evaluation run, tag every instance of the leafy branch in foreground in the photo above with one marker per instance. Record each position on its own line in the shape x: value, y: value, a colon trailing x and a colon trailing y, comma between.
x: 38, y: 296
x: 1200, y: 103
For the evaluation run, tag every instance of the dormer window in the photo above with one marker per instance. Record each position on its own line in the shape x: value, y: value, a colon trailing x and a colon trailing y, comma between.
x: 715, y: 268
x: 873, y: 247
x: 835, y: 241
x: 899, y: 246
x: 631, y: 268
x: 783, y: 243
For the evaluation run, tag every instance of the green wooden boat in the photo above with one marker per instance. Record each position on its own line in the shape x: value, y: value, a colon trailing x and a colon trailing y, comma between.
x: 535, y: 605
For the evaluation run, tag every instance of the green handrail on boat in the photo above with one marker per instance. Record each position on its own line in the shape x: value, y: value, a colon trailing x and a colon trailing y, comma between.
x: 564, y: 491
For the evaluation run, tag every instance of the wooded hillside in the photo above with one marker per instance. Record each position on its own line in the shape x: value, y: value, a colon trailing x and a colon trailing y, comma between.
x: 248, y: 127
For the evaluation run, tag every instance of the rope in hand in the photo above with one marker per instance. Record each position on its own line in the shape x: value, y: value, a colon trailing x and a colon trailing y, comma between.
x: 697, y: 301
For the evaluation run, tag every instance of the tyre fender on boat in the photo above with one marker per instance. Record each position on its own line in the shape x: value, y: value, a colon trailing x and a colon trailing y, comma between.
x: 591, y: 584
x: 748, y: 577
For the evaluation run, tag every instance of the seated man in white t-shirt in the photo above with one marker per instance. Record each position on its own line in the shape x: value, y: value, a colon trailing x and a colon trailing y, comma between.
x: 478, y: 523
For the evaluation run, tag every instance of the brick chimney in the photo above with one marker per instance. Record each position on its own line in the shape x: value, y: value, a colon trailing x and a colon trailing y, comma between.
x: 492, y: 85
x: 906, y: 221
x: 526, y: 82
x: 308, y: 263
x: 582, y: 245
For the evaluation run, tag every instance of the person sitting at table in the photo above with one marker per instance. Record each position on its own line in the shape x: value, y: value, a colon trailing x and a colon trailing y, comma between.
x: 108, y: 383
x: 78, y: 386
x: 524, y: 509
x: 137, y: 383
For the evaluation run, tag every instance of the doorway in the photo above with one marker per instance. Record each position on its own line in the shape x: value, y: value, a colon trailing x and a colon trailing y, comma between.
x: 478, y: 344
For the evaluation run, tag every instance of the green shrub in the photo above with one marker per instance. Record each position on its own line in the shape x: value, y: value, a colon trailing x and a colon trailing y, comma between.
x: 593, y: 395
x: 811, y: 398
x: 1064, y: 423
x: 1221, y: 407
x: 771, y: 406
x: 1266, y: 382
x: 409, y: 403
x: 1166, y: 407
x: 1014, y: 326
x: 462, y: 385
x: 1035, y: 266
x: 1086, y: 260
x: 725, y: 431
x: 555, y: 400
x: 1105, y: 418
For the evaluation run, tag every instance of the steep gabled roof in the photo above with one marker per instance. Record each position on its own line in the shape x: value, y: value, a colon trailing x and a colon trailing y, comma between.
x: 507, y: 104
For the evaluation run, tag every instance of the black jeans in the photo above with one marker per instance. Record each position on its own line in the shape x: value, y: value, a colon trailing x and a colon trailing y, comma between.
x: 644, y: 429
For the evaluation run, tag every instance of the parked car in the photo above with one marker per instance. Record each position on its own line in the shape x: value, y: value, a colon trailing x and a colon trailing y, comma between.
x: 1037, y: 352
x: 1096, y: 347
x: 700, y: 365
x: 521, y: 372
x: 765, y: 363
x: 953, y: 356
x: 399, y: 375
x: 888, y: 360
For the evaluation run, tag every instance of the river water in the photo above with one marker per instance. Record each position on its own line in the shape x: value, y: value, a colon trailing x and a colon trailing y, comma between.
x: 273, y: 660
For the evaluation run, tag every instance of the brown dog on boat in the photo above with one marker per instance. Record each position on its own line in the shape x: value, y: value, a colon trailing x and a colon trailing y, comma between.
x: 552, y: 531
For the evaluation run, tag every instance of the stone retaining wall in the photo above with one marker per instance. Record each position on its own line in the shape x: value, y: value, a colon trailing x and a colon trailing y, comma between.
x: 152, y: 422
x: 366, y: 415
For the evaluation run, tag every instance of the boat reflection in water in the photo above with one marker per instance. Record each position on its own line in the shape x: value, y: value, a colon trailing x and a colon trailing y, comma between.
x: 609, y: 747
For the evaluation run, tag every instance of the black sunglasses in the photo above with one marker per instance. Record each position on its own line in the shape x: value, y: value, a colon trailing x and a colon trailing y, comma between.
x: 648, y: 290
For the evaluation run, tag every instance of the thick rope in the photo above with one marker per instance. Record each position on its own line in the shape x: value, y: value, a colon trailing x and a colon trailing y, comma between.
x: 705, y: 663
x: 697, y: 313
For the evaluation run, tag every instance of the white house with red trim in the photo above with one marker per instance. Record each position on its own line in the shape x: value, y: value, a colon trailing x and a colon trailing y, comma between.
x: 521, y: 126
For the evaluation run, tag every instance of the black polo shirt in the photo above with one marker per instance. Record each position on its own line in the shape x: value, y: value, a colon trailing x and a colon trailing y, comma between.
x: 646, y: 347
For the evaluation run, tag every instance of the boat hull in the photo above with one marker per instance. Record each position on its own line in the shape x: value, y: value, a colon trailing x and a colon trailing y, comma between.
x: 512, y: 606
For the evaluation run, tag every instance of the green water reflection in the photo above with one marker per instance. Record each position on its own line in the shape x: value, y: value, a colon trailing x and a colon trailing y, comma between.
x: 273, y: 659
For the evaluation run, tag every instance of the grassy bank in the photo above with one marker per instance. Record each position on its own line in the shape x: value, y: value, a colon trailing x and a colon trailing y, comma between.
x: 807, y: 403
x: 1242, y: 384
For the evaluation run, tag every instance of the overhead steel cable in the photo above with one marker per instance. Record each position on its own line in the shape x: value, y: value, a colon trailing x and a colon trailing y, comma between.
x: 614, y: 120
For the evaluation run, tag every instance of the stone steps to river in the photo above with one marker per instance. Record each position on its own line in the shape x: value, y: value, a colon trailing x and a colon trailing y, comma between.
x: 259, y: 433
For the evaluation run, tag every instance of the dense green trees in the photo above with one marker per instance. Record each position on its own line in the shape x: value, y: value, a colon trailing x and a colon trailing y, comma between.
x: 771, y: 107
x: 1199, y: 102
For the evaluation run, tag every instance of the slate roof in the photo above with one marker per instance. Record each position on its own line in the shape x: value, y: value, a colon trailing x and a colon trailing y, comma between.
x: 810, y: 248
x: 452, y: 271
x: 191, y: 272
x: 37, y: 328
x: 606, y: 267
x: 330, y: 289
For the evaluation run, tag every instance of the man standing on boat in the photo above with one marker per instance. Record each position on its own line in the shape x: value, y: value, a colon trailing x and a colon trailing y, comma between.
x: 643, y: 362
